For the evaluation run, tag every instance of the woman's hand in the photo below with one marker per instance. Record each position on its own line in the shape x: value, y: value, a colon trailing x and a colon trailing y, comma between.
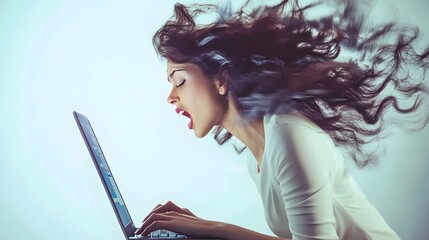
x: 169, y: 207
x: 180, y: 220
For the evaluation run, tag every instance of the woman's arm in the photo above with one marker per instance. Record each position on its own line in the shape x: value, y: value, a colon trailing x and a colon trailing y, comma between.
x: 304, y: 167
x: 232, y: 232
x: 171, y: 217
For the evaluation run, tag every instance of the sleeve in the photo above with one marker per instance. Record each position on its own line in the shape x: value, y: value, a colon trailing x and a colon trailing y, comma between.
x: 304, y: 168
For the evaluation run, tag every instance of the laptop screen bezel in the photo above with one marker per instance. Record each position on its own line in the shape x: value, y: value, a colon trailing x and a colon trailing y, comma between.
x: 130, y: 228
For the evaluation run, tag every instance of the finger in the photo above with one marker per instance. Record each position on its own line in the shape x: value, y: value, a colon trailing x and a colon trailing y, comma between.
x: 171, y: 207
x: 157, y: 206
x: 167, y: 207
x: 188, y: 212
x: 160, y: 208
x: 159, y: 217
x: 153, y: 218
x: 155, y: 226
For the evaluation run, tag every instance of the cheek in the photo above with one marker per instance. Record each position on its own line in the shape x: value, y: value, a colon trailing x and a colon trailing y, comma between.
x: 193, y: 97
x: 214, y: 106
x: 205, y: 102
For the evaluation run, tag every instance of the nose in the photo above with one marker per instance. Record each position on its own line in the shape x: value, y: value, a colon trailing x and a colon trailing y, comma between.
x: 172, y: 97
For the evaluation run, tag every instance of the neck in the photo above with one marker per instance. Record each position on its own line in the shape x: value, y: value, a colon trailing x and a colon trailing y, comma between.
x: 250, y: 133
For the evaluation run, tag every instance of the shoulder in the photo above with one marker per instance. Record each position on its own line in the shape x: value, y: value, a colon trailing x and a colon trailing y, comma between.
x: 293, y: 118
x: 293, y: 128
x: 296, y: 141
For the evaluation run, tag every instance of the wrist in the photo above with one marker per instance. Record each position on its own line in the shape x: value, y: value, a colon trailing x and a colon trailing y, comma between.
x: 228, y: 231
x: 219, y: 230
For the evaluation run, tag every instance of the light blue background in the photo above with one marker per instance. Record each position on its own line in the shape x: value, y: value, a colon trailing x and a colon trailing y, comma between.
x: 96, y: 57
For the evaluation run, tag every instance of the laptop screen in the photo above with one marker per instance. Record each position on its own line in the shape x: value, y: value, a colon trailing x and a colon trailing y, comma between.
x: 104, y: 171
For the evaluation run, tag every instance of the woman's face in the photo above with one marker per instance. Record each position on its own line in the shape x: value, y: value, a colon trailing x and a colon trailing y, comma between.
x: 196, y: 96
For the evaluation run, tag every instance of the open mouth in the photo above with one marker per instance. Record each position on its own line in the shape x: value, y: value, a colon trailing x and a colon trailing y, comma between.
x: 185, y: 113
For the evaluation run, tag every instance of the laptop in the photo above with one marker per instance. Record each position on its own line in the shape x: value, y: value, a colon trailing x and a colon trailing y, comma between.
x: 112, y: 190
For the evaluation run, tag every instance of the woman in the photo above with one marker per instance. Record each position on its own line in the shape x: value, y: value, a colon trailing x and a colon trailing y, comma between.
x: 270, y: 78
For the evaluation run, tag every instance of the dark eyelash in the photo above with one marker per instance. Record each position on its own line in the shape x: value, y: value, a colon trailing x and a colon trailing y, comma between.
x: 181, y: 84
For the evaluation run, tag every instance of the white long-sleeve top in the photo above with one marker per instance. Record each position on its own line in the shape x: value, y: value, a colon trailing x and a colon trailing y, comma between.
x: 305, y: 188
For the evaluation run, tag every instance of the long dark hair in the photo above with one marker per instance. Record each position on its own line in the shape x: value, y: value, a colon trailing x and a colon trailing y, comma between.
x: 278, y: 59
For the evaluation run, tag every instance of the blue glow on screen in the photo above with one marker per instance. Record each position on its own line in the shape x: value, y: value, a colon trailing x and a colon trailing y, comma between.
x: 105, y: 172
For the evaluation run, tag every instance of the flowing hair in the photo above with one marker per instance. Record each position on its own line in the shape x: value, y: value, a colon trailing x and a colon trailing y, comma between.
x: 278, y: 59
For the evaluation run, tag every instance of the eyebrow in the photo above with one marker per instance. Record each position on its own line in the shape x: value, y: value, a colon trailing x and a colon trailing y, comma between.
x: 172, y: 73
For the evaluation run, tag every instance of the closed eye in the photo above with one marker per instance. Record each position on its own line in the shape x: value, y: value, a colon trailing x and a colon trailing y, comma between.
x: 181, y: 84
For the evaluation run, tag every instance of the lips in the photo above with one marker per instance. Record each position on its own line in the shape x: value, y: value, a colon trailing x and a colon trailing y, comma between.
x: 185, y: 113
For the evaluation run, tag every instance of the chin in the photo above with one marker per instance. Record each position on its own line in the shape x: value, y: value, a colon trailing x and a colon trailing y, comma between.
x: 200, y: 134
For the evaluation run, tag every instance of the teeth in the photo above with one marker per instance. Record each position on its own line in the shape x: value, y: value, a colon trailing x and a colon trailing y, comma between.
x: 181, y: 112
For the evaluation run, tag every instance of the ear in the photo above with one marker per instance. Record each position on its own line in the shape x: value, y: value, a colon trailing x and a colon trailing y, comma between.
x: 221, y: 82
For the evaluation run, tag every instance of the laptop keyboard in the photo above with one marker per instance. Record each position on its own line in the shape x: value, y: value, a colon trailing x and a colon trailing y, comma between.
x: 165, y: 234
